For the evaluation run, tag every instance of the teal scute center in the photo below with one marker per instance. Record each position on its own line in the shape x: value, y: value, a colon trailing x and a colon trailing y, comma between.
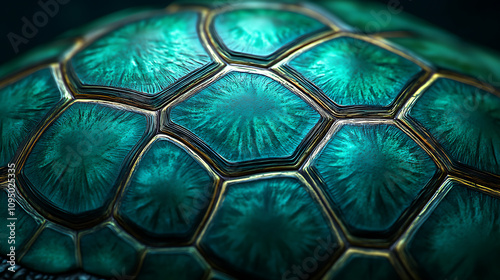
x: 459, y: 238
x: 23, y: 105
x: 262, y: 32
x: 168, y: 193
x: 76, y: 162
x: 465, y: 121
x: 352, y: 72
x: 245, y: 117
x: 145, y: 56
x: 359, y: 266
x: 264, y: 227
x: 372, y: 174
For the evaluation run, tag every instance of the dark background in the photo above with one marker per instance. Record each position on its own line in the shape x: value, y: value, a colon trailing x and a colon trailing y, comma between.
x: 475, y: 21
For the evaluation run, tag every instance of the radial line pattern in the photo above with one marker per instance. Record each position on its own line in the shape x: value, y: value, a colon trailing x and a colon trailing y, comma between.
x: 247, y: 116
x: 145, y: 56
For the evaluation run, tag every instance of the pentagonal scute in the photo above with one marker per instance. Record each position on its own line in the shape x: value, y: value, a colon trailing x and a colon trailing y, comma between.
x: 22, y: 228
x: 465, y: 120
x: 74, y: 165
x: 272, y: 217
x: 353, y: 72
x: 372, y: 174
x: 145, y: 56
x: 107, y: 251
x: 174, y: 263
x: 261, y: 32
x: 364, y: 266
x: 459, y: 238
x: 246, y: 116
x: 23, y: 105
x: 53, y: 251
x: 168, y: 192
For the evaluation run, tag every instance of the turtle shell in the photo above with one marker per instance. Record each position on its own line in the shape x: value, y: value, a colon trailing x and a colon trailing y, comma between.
x: 264, y: 140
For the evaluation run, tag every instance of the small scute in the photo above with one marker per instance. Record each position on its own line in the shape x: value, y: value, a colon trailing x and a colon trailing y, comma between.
x: 262, y: 32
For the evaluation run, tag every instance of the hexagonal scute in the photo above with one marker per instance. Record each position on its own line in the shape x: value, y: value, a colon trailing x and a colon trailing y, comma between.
x: 269, y: 228
x: 24, y: 228
x: 261, y: 32
x: 459, y: 237
x: 146, y: 56
x: 106, y: 251
x: 364, y: 266
x: 174, y: 263
x: 465, y: 120
x: 168, y: 192
x: 74, y: 166
x: 23, y: 105
x: 53, y: 251
x: 244, y: 117
x: 352, y: 72
x: 372, y: 174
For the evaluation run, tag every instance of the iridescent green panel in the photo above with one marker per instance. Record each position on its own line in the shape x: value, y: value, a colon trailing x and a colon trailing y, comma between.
x: 145, y: 56
x: 354, y: 72
x: 371, y: 17
x: 246, y: 116
x: 23, y: 105
x: 464, y: 120
x: 373, y: 173
x: 459, y: 240
x: 52, y: 252
x: 168, y: 192
x: 261, y: 32
x: 265, y: 227
x: 222, y: 3
x: 76, y: 161
x: 106, y: 252
x: 455, y: 55
x: 106, y: 21
x: 359, y: 266
x: 24, y: 227
x: 175, y: 264
x: 45, y: 53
